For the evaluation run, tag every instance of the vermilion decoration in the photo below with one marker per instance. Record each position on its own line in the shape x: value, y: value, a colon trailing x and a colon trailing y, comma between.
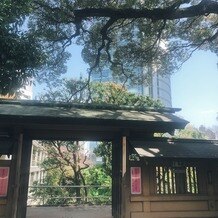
x: 136, y: 180
x: 4, y: 175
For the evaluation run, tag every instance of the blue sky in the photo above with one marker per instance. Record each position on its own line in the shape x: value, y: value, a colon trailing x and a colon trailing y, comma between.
x: 195, y: 89
x: 194, y: 86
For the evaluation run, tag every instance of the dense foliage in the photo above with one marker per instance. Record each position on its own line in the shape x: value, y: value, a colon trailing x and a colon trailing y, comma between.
x: 100, y: 182
x: 63, y: 166
x: 133, y: 38
x: 67, y: 163
x: 104, y: 150
x: 97, y: 93
x: 190, y: 132
x: 19, y: 51
x: 23, y: 55
x: 69, y: 179
x: 55, y: 192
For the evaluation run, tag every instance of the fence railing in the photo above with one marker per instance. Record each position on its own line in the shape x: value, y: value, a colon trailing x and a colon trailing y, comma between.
x: 45, y: 195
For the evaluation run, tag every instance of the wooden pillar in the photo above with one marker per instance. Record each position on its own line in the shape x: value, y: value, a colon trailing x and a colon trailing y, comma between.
x: 14, y: 180
x: 114, y: 202
x: 24, y: 177
x: 116, y: 178
x: 125, y: 179
x: 211, y: 184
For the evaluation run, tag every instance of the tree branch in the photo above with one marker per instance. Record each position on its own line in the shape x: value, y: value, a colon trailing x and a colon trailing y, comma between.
x: 170, y: 13
x: 78, y: 16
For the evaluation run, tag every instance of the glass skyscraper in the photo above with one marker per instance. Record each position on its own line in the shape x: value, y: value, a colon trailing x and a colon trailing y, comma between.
x: 158, y: 87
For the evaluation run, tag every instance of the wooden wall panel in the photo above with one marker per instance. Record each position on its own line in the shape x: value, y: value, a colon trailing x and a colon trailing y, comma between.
x: 2, y: 210
x: 179, y: 206
x: 216, y: 205
x: 136, y: 206
x: 185, y: 214
x: 137, y: 215
x: 147, y: 206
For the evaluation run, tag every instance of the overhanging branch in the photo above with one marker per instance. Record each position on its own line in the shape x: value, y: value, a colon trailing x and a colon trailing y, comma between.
x: 172, y: 12
x: 205, y: 7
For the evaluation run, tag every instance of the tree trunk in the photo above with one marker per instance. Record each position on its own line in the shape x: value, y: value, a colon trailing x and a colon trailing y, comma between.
x: 78, y: 189
x: 85, y: 189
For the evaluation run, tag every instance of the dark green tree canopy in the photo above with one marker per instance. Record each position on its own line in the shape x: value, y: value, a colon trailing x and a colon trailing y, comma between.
x: 105, y: 93
x: 23, y: 56
x: 130, y: 35
x: 127, y: 36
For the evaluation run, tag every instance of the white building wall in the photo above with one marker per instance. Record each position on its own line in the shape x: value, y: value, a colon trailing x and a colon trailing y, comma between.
x: 38, y: 155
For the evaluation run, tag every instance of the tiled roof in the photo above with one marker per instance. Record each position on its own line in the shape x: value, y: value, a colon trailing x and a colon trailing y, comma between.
x: 26, y: 109
x: 176, y: 148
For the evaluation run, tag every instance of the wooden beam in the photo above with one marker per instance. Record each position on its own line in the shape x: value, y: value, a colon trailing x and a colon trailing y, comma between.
x: 79, y: 135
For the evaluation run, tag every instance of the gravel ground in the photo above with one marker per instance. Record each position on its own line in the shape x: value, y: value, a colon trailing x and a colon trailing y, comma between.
x: 70, y: 212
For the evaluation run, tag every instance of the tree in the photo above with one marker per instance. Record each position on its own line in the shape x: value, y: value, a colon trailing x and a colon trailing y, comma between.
x: 104, y: 150
x: 99, y: 93
x: 115, y: 94
x: 215, y: 130
x: 19, y: 51
x: 208, y: 132
x: 190, y: 132
x: 130, y: 35
x: 64, y: 166
x: 100, y: 182
x: 22, y: 55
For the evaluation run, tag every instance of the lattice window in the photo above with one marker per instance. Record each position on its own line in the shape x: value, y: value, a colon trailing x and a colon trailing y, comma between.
x: 176, y: 180
x: 191, y: 180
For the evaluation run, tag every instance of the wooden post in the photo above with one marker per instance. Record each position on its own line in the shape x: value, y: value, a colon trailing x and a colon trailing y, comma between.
x: 24, y: 177
x: 116, y: 178
x: 124, y: 153
x: 125, y: 179
x: 114, y: 202
x: 14, y: 180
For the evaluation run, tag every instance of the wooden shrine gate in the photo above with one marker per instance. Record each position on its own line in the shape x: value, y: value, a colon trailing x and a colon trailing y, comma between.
x: 24, y: 121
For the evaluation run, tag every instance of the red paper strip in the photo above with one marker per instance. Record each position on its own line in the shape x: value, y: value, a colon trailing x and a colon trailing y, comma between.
x: 4, y: 175
x: 136, y: 180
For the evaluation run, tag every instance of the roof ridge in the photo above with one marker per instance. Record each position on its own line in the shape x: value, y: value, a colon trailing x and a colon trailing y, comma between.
x: 88, y: 105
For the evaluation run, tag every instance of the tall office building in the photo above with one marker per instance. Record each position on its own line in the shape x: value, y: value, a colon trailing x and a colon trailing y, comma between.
x: 159, y: 87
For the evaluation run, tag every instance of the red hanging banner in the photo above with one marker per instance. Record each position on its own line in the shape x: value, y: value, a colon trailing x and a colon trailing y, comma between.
x: 136, y: 180
x: 4, y: 176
